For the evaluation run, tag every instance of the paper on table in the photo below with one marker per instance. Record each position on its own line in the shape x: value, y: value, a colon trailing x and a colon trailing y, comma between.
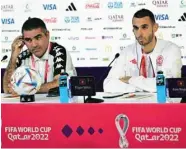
x: 137, y: 96
x: 113, y: 95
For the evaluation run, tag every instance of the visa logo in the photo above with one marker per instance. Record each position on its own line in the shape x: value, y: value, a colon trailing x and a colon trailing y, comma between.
x: 162, y: 17
x: 7, y: 21
x: 49, y: 7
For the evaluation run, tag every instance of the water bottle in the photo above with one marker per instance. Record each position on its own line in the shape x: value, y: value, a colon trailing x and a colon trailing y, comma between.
x: 63, y: 88
x: 161, y: 87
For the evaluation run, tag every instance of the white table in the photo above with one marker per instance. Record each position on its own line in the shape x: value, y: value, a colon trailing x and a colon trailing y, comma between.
x: 139, y: 97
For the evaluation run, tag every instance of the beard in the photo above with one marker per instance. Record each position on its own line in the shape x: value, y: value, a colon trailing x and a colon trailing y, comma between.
x: 143, y: 41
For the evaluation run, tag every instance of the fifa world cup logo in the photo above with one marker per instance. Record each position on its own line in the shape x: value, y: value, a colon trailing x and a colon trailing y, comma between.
x: 123, y: 142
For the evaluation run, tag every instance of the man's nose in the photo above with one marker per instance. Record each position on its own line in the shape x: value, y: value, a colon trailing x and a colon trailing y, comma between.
x: 34, y: 42
x: 139, y: 33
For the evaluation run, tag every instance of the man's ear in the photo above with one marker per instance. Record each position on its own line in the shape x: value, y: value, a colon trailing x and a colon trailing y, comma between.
x: 155, y: 27
x: 47, y: 33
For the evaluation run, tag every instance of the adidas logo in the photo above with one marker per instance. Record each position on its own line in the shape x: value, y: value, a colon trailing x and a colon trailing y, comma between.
x: 71, y: 7
x: 183, y: 17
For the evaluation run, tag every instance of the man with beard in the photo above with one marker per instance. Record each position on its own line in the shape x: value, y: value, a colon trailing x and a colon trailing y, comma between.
x: 48, y: 58
x: 137, y: 66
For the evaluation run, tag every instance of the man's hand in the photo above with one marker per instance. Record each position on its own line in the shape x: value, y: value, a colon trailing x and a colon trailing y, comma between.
x: 57, y: 77
x: 17, y: 45
x: 125, y: 79
x: 11, y: 91
x: 47, y: 86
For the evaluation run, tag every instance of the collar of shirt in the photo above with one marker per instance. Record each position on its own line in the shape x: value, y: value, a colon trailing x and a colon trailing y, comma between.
x: 45, y: 56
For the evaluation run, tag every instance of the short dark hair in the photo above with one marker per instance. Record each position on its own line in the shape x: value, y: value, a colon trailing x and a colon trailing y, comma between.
x: 145, y: 13
x: 33, y: 23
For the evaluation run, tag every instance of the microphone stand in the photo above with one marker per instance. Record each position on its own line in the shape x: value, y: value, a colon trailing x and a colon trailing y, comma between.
x: 116, y: 56
x: 89, y: 99
x: 183, y: 100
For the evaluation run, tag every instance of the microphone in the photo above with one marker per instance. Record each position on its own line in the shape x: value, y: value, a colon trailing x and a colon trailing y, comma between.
x: 116, y: 56
x: 104, y: 73
x: 4, y: 58
x: 96, y: 100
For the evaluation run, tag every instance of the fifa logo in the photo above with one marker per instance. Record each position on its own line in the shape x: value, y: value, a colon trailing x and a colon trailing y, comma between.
x: 123, y: 142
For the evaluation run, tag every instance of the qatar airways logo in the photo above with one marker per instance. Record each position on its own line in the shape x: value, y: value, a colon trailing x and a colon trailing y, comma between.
x: 7, y: 8
x: 116, y: 18
x: 50, y: 20
x: 160, y: 3
x: 92, y: 6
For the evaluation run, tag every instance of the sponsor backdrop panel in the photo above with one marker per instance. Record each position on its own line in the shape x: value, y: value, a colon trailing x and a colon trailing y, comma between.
x: 93, y: 31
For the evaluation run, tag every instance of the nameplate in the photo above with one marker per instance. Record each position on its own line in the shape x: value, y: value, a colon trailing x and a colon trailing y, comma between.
x: 176, y: 87
x: 83, y: 86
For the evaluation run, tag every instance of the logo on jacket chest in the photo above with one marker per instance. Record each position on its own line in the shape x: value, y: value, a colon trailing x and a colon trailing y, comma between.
x: 133, y: 61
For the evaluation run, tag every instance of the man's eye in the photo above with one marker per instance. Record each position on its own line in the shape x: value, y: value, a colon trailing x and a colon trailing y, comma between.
x: 28, y: 40
x: 39, y: 37
x: 135, y: 28
x: 145, y: 27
